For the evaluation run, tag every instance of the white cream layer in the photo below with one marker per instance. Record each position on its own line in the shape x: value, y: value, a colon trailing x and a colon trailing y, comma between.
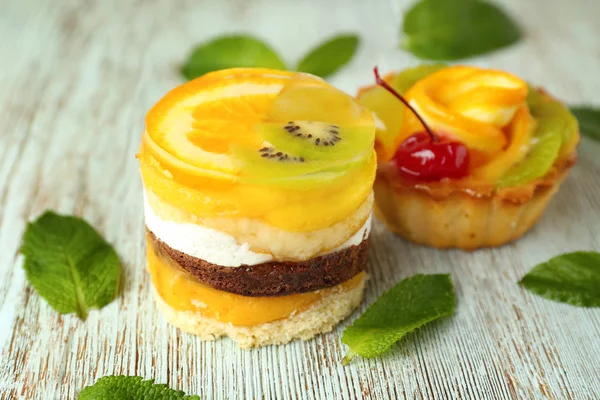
x: 218, y: 247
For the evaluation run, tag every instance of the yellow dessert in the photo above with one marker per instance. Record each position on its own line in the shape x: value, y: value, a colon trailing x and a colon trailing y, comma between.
x: 516, y: 146
x: 258, y: 199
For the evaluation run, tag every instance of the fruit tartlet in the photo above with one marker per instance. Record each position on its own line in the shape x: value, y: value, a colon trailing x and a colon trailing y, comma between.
x: 258, y: 200
x: 468, y: 157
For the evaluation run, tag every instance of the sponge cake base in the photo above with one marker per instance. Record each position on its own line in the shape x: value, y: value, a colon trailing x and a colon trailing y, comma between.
x: 319, y: 318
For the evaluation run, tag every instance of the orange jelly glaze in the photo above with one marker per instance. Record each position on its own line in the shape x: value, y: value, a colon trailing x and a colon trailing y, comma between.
x: 182, y: 292
x: 285, y: 208
x: 183, y: 158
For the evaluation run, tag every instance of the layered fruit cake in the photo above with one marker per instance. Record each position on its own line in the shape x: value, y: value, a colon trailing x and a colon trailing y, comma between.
x: 258, y: 198
x: 468, y: 157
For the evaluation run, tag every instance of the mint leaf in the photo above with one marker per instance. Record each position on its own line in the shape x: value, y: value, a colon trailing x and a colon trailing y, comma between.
x: 572, y: 278
x: 589, y: 120
x: 407, y: 306
x: 329, y: 56
x: 452, y: 30
x: 131, y: 388
x: 230, y: 52
x: 69, y: 264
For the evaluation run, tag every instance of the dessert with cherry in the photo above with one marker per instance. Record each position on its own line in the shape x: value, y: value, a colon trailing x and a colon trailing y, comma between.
x: 472, y: 159
x: 425, y: 155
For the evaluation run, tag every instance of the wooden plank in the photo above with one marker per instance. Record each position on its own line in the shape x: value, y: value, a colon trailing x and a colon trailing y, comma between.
x: 76, y: 80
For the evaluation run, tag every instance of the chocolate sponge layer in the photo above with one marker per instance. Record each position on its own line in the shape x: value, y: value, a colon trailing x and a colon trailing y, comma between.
x: 275, y: 278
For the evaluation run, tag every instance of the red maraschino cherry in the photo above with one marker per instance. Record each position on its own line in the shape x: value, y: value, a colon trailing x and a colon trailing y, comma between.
x: 423, y: 156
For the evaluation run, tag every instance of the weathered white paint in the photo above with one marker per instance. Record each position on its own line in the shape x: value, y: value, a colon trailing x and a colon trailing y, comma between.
x: 75, y: 82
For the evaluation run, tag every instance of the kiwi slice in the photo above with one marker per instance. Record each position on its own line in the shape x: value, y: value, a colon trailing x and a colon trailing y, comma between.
x: 555, y: 124
x: 269, y: 162
x: 328, y: 133
x: 307, y: 181
x: 544, y: 107
x: 540, y: 158
x: 318, y: 140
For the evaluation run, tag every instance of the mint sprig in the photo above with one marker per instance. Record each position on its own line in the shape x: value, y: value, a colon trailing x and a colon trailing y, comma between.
x: 131, y: 388
x: 69, y: 264
x: 589, y: 120
x: 229, y: 52
x: 409, y: 305
x: 248, y: 51
x: 457, y: 29
x: 572, y: 278
x: 327, y: 58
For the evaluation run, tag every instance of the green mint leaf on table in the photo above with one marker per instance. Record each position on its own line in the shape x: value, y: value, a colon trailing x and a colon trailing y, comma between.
x: 69, y: 264
x: 572, y: 278
x: 452, y: 30
x: 589, y: 120
x: 407, y: 306
x: 131, y: 388
x: 329, y: 56
x: 230, y: 52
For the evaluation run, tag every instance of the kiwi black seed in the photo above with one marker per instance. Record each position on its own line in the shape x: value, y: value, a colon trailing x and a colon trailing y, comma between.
x: 271, y: 152
x: 318, y: 133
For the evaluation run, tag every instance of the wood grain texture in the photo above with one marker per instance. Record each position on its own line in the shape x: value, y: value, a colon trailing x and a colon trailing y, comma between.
x: 76, y: 80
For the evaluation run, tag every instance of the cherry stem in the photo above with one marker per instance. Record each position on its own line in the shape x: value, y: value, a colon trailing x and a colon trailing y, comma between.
x: 393, y: 91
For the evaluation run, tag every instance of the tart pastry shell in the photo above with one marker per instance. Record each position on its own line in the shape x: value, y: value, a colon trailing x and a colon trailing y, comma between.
x: 461, y: 214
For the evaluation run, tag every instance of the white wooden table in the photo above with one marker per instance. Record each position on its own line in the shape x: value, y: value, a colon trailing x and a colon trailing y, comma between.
x: 76, y: 78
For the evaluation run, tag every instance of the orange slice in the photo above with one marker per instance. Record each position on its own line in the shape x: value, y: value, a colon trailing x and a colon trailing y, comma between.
x: 188, y: 153
x: 196, y: 123
x: 468, y: 104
